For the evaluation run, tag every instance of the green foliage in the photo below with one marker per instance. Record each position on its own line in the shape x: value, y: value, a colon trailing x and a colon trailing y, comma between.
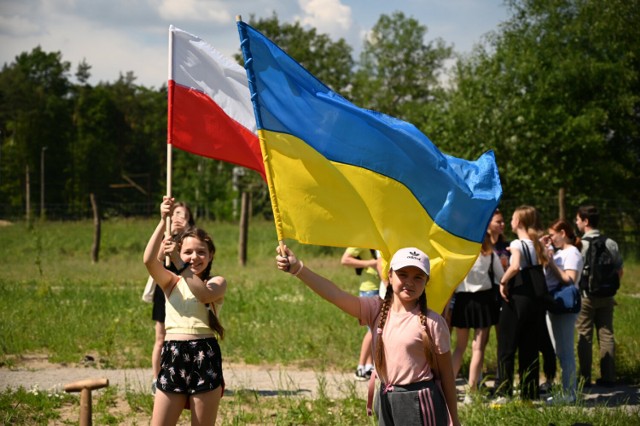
x: 554, y: 91
x: 398, y: 70
x: 34, y: 113
x: 326, y: 59
x: 555, y: 94
x: 31, y: 407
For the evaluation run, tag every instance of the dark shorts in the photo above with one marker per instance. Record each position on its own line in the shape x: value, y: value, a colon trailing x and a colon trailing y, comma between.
x: 159, y: 309
x: 475, y: 310
x: 190, y: 366
x: 414, y: 404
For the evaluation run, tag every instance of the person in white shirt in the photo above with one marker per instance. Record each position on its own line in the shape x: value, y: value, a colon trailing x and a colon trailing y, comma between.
x: 564, y: 269
x: 475, y: 308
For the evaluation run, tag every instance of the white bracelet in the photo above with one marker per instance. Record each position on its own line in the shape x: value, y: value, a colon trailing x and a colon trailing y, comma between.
x: 299, y: 269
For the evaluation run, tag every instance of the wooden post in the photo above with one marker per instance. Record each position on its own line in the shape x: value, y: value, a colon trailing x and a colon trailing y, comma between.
x: 245, y: 207
x: 95, y: 249
x: 27, y: 196
x: 85, y: 387
x: 562, y: 212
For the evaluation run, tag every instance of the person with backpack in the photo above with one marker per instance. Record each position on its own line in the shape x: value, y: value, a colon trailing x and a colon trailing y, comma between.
x: 563, y: 269
x: 411, y: 343
x: 601, y: 275
x: 522, y: 311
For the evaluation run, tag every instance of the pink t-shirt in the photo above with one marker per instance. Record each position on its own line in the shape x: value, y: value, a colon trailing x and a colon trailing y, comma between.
x: 403, y: 346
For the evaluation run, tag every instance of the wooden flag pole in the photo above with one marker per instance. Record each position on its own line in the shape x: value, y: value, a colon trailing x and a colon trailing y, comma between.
x: 167, y: 259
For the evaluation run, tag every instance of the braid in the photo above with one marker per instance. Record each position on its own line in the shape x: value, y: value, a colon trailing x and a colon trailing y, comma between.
x: 426, y: 338
x: 380, y: 360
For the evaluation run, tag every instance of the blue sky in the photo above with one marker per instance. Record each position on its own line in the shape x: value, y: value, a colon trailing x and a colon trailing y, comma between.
x: 117, y: 36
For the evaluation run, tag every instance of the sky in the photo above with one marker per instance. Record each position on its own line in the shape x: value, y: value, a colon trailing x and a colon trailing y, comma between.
x: 117, y: 36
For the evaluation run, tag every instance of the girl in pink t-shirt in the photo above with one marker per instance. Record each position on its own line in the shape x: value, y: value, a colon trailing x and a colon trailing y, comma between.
x: 411, y: 344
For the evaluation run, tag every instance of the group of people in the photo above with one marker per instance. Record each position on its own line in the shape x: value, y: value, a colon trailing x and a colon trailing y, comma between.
x: 408, y: 343
x: 522, y: 322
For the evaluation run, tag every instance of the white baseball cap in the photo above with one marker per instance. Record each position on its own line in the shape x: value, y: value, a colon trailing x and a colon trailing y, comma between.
x: 410, y: 256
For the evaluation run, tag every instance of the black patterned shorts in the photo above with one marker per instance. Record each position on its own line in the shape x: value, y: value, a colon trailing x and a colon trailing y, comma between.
x: 190, y: 366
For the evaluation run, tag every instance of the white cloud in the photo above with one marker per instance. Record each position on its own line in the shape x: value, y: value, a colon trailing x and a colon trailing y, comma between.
x: 196, y: 10
x: 121, y: 35
x: 327, y: 16
x: 18, y: 26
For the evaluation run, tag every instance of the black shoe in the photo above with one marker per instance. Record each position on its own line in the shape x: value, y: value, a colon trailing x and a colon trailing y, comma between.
x: 360, y: 374
x: 605, y: 383
x: 368, y: 373
x: 545, y: 388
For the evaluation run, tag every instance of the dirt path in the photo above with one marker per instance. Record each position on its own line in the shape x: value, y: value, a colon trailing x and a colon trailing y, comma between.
x: 266, y: 381
x: 37, y: 372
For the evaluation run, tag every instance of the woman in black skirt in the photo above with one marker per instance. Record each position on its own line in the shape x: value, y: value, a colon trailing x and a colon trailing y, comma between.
x: 475, y: 308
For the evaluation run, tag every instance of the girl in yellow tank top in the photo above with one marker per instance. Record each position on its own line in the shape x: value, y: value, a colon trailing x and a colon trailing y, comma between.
x: 191, y: 362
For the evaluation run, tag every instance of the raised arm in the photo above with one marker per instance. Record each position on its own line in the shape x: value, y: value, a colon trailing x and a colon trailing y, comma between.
x: 211, y: 291
x: 161, y: 276
x: 353, y: 262
x: 322, y: 286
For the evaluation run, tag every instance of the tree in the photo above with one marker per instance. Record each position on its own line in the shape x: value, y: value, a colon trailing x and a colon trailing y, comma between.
x: 398, y: 70
x: 556, y: 95
x: 34, y: 114
x: 329, y: 61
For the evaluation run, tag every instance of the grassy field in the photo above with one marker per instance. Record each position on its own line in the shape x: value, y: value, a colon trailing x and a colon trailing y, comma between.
x: 53, y: 300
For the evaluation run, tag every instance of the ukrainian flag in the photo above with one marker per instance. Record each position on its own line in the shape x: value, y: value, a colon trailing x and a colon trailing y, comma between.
x: 343, y: 176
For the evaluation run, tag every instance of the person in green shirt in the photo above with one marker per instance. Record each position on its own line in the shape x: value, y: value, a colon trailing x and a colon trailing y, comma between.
x: 365, y: 263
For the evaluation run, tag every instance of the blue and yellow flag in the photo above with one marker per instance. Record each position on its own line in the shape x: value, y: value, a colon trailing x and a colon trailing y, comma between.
x: 343, y: 176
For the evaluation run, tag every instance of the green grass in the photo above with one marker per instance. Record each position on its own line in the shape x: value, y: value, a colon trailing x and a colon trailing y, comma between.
x: 53, y: 300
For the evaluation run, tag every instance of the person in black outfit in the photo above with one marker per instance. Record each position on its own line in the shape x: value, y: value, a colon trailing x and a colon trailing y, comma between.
x: 521, y: 312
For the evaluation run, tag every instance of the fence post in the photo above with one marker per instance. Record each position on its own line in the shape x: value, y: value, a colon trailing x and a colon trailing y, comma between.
x: 561, y: 204
x: 245, y: 208
x: 95, y: 249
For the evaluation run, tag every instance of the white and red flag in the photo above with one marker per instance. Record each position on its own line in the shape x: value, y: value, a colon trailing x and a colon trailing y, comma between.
x: 210, y: 111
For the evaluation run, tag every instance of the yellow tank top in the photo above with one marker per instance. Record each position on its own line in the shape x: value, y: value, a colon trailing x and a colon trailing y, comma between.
x: 184, y: 313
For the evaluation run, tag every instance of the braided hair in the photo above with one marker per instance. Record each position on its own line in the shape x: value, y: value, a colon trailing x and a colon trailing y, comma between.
x: 380, y: 360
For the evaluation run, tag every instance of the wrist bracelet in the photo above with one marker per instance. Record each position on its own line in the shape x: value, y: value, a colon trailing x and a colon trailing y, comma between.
x: 299, y: 269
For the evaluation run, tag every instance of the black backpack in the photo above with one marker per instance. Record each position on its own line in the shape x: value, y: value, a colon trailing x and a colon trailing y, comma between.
x: 600, y: 274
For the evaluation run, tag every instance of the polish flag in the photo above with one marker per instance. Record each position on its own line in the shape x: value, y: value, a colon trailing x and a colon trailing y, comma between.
x: 210, y: 111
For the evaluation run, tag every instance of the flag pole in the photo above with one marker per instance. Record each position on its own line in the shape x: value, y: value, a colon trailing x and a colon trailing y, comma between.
x: 267, y: 167
x: 167, y: 259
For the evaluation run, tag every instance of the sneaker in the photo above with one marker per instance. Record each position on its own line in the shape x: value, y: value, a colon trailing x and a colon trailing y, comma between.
x: 545, y: 387
x: 368, y: 373
x: 561, y: 400
x: 361, y: 375
x: 498, y: 402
